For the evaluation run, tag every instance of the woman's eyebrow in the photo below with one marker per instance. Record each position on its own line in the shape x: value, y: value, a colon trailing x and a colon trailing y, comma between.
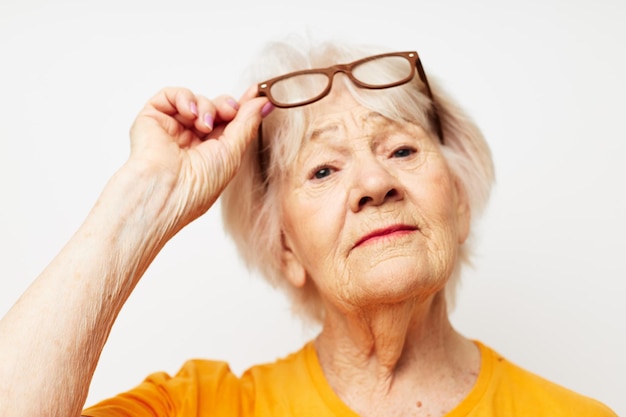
x: 374, y: 118
x: 374, y: 115
x: 321, y: 131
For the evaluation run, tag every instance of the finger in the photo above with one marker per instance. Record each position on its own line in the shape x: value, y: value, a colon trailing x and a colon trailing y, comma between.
x: 243, y: 128
x: 177, y: 102
x: 203, y: 124
x: 251, y: 92
x: 213, y: 115
x: 226, y: 108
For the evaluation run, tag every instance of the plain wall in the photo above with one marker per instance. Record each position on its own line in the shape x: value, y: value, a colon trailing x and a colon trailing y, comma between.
x: 543, y: 79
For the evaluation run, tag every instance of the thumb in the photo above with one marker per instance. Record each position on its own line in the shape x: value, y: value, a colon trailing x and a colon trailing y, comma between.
x: 244, y: 127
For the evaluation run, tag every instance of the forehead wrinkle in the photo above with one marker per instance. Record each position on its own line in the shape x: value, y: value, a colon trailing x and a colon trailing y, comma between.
x: 320, y: 131
x: 370, y: 119
x: 375, y: 117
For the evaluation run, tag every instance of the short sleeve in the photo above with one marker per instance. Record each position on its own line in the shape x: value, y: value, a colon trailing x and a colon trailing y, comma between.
x: 200, y: 388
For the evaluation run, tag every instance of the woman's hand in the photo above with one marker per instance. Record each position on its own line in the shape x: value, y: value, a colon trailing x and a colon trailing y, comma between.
x: 184, y: 150
x: 192, y: 146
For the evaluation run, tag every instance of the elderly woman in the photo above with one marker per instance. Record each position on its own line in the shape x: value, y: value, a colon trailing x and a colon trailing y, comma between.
x: 355, y: 195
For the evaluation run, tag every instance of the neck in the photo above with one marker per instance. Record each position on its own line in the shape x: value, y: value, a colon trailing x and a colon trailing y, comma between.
x: 380, y: 347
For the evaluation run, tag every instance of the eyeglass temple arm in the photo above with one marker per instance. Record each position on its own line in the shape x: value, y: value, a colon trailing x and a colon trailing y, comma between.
x: 261, y: 153
x: 435, y: 111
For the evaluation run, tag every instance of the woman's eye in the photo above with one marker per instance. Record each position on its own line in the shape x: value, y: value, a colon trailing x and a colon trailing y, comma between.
x: 319, y: 173
x: 403, y: 152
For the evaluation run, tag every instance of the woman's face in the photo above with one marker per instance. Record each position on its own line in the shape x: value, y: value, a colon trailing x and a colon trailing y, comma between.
x: 371, y: 212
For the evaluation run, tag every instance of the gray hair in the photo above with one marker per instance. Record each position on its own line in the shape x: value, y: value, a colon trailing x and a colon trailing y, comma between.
x: 251, y: 205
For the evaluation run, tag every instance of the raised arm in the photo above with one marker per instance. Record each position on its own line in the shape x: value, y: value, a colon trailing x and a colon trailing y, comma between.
x: 184, y: 150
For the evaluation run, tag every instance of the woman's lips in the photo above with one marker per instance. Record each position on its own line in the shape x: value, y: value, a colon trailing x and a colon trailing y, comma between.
x: 385, y: 232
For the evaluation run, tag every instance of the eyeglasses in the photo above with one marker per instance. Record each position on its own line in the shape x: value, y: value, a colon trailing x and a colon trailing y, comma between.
x: 376, y: 72
x: 388, y: 70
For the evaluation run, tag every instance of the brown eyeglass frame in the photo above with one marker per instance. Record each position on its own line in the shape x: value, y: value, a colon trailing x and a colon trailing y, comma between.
x: 264, y: 88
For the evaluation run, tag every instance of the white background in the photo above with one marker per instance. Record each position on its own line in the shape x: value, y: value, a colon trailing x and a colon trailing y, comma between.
x: 544, y: 80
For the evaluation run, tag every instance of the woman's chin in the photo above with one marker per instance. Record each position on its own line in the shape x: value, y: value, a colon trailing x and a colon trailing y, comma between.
x: 394, y: 282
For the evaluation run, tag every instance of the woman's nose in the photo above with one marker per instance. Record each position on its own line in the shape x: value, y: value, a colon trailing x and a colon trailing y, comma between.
x: 373, y: 185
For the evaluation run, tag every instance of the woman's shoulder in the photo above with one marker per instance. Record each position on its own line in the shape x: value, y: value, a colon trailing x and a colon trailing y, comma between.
x: 208, y: 385
x: 522, y: 392
x: 286, y: 373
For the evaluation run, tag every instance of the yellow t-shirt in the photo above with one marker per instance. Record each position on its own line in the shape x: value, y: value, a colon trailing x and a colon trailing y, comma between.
x: 296, y: 386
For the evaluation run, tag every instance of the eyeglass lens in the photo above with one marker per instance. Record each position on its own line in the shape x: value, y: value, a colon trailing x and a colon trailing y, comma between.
x: 374, y: 73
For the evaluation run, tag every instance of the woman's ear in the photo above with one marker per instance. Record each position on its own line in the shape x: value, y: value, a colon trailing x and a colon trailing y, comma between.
x: 463, y: 211
x: 290, y: 264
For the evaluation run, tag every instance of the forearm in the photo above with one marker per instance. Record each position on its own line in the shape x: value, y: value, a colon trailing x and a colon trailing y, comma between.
x: 50, y: 341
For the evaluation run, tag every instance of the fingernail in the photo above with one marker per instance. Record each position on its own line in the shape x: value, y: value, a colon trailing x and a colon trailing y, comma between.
x: 208, y: 120
x: 233, y: 103
x: 194, y: 108
x: 267, y: 109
